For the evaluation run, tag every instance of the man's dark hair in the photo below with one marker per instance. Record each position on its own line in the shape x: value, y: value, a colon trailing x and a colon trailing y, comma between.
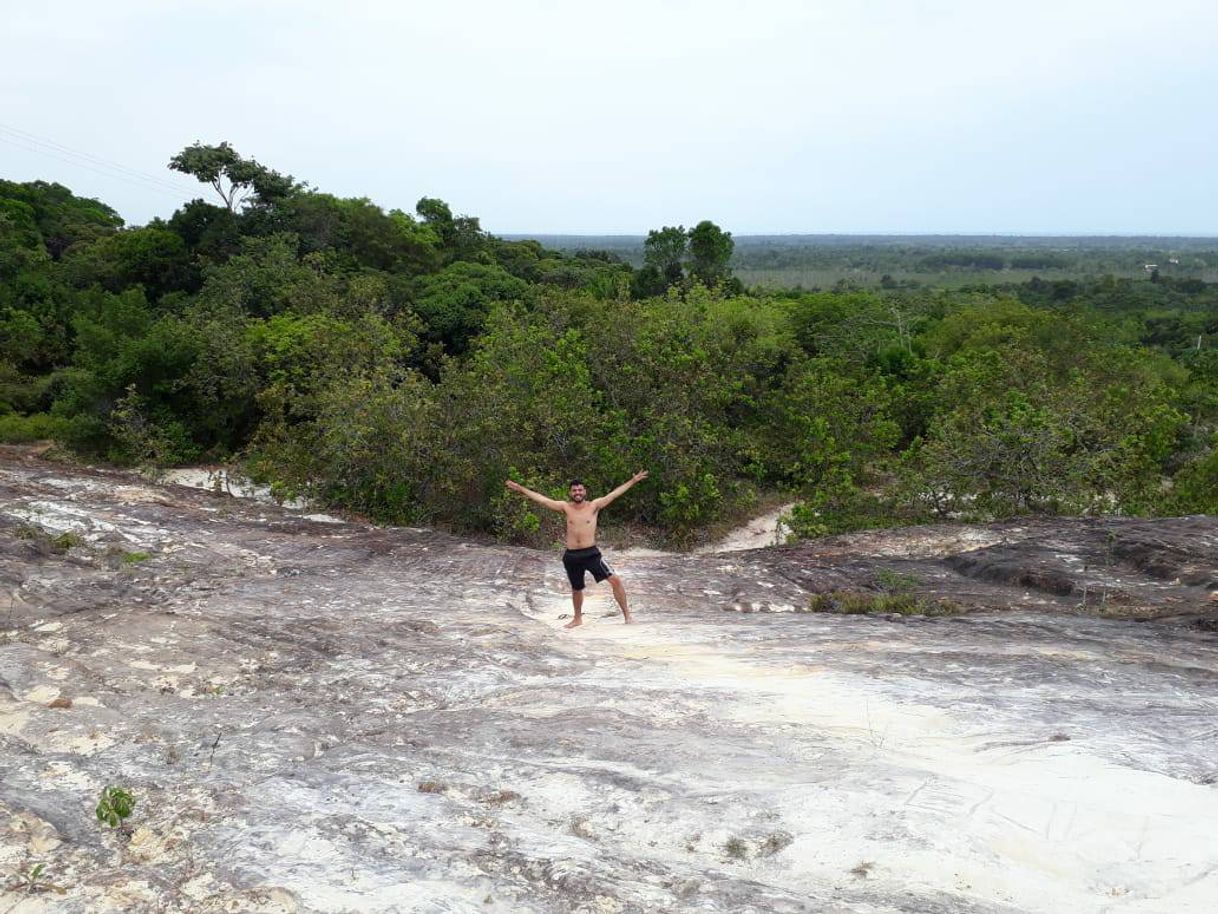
x: 575, y: 482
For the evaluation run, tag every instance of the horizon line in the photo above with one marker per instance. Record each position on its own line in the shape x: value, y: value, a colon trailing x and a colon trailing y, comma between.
x: 912, y: 234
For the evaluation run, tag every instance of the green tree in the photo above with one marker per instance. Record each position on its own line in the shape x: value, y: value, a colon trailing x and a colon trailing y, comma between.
x: 665, y: 250
x: 855, y: 325
x: 647, y: 283
x: 61, y: 218
x: 1018, y: 432
x: 373, y: 450
x: 18, y: 226
x: 234, y: 178
x: 1195, y: 486
x: 360, y: 232
x: 268, y: 276
x: 828, y: 435
x: 710, y: 253
x: 209, y: 231
x: 454, y: 303
x: 153, y: 257
x: 461, y: 237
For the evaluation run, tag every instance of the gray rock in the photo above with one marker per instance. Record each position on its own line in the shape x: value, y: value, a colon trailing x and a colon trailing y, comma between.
x: 326, y: 717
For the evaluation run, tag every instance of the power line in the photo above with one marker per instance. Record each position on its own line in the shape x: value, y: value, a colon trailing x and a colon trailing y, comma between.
x: 39, y: 145
x: 52, y: 145
x: 109, y: 174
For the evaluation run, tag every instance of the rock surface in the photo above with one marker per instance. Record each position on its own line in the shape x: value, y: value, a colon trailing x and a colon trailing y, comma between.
x: 329, y: 717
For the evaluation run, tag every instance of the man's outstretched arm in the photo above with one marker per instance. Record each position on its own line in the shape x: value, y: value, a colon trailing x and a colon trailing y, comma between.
x: 535, y: 496
x: 601, y: 502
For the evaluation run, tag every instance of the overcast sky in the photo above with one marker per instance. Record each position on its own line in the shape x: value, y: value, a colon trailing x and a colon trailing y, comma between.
x: 1037, y: 116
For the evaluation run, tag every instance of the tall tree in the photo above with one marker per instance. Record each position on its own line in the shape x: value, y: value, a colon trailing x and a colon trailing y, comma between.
x: 710, y: 251
x: 234, y: 178
x: 665, y: 250
x: 461, y: 236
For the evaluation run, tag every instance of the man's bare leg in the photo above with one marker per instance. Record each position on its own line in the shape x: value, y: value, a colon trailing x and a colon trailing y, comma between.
x: 577, y: 600
x: 619, y: 594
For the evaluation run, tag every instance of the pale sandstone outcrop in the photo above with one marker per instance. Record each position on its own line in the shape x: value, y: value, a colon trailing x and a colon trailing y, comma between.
x: 333, y: 717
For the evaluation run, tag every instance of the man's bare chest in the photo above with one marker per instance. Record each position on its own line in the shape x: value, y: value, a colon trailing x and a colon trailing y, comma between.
x: 581, y: 520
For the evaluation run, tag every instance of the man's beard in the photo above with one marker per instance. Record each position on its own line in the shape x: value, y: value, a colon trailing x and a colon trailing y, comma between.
x: 577, y: 498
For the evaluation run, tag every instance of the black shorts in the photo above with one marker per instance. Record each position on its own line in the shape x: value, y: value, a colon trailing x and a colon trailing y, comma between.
x: 577, y: 561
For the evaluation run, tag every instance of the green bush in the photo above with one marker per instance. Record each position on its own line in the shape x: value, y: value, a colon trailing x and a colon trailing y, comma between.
x: 403, y: 367
x: 15, y: 429
x: 848, y: 603
x: 66, y: 541
x: 1195, y: 487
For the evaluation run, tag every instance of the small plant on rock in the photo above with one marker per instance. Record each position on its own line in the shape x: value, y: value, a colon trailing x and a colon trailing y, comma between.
x: 65, y: 541
x: 56, y: 544
x: 775, y: 843
x: 114, y: 806
x: 32, y: 881
x: 736, y: 849
x: 895, y: 582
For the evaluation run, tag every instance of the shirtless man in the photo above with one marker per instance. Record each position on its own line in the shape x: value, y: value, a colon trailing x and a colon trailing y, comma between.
x: 582, y: 555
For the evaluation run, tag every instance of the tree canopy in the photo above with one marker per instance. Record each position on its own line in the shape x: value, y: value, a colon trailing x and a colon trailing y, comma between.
x: 234, y: 178
x: 403, y: 364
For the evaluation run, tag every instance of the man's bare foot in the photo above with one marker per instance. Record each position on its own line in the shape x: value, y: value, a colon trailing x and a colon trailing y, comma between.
x: 627, y: 618
x: 578, y: 620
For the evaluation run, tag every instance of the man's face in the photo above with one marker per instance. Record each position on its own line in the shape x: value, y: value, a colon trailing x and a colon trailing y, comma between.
x: 578, y: 494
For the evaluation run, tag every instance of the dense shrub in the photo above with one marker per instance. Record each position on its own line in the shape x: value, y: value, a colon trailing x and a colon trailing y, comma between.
x: 16, y: 429
x: 405, y: 365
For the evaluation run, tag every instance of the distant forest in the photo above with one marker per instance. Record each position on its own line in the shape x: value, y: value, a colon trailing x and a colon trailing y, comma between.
x: 402, y: 365
x: 824, y: 261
